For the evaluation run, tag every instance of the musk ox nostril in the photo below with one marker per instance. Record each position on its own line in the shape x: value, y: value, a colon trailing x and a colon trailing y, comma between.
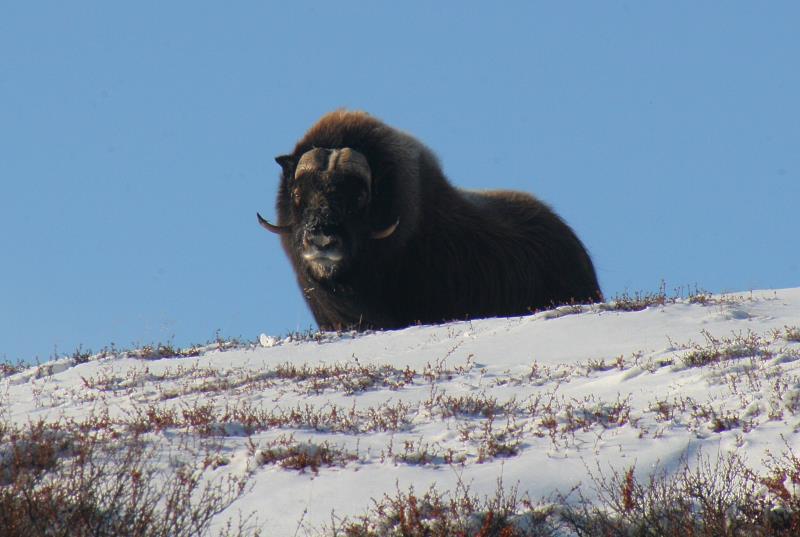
x: 320, y: 240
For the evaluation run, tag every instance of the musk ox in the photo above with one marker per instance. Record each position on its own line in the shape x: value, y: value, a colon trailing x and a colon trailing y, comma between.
x: 379, y: 238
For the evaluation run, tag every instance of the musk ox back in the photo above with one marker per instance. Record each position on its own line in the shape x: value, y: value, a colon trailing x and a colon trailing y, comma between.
x: 379, y: 238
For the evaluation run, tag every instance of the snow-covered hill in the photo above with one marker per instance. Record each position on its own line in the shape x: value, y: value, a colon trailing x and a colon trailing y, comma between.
x: 325, y: 424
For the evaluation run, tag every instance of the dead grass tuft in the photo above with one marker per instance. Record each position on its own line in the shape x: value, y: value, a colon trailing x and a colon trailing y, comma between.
x: 292, y: 455
x: 792, y: 333
x: 717, y: 350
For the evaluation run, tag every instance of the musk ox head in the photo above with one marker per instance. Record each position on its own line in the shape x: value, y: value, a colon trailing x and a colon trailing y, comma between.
x: 324, y: 204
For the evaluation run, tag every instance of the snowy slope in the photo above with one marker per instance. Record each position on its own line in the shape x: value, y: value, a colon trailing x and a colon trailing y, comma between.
x: 540, y: 401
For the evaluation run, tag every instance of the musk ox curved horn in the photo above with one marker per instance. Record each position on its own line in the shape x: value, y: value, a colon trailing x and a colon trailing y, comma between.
x: 344, y: 160
x: 383, y: 233
x: 272, y: 227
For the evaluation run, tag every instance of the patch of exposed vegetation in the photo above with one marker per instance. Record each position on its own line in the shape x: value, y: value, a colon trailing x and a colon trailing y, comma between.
x: 205, y: 419
x: 708, y: 499
x: 289, y: 454
x: 8, y: 368
x: 792, y: 333
x: 717, y: 350
x: 55, y: 481
x: 436, y: 514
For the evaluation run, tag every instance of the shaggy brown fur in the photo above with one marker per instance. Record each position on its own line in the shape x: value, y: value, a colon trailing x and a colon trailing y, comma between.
x: 455, y: 254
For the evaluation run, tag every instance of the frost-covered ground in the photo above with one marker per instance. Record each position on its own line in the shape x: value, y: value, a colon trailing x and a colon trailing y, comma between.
x: 543, y: 401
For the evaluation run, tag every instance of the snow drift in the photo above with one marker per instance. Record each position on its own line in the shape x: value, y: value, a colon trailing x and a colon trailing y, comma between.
x: 323, y: 424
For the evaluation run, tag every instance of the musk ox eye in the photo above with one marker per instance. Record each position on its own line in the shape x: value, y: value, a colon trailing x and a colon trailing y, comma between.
x: 362, y: 198
x: 296, y: 198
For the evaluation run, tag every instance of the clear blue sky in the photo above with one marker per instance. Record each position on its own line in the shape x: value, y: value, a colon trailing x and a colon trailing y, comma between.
x: 137, y: 143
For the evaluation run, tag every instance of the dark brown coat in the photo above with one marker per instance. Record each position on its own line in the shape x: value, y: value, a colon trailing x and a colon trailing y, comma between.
x: 454, y: 254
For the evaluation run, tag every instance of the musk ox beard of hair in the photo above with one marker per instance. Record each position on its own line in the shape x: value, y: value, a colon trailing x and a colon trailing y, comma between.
x: 379, y: 238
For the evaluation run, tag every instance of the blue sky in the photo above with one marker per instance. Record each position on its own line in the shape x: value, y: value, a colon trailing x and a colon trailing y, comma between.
x: 137, y: 143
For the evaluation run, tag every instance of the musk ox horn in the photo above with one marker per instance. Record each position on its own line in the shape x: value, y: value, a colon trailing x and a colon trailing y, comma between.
x: 272, y: 227
x: 344, y: 160
x: 383, y: 233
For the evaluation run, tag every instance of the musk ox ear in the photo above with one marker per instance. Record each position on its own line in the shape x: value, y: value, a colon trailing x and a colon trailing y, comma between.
x: 287, y: 163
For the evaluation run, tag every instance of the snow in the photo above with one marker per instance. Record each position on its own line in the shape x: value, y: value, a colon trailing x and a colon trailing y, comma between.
x: 540, y: 401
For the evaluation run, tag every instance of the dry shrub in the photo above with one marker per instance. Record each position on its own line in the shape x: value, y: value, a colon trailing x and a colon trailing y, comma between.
x: 792, y: 333
x: 434, y: 514
x: 724, y: 498
x: 292, y: 455
x: 56, y: 483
